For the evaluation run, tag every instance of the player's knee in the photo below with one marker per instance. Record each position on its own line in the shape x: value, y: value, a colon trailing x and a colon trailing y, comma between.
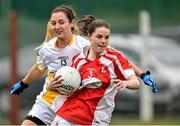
x: 28, y: 122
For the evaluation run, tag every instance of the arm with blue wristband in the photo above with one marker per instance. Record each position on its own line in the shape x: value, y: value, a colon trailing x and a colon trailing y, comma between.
x: 146, y: 77
x: 149, y: 80
x: 33, y: 74
x: 19, y: 88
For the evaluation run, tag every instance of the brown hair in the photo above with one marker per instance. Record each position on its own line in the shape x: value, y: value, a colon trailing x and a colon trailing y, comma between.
x: 90, y: 23
x: 66, y: 9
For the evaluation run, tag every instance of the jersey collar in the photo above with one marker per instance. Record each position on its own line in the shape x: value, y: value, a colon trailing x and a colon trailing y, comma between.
x: 84, y: 53
x: 70, y: 43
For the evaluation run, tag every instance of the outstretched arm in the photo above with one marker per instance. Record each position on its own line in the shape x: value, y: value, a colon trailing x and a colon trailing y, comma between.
x: 146, y: 77
x: 33, y: 74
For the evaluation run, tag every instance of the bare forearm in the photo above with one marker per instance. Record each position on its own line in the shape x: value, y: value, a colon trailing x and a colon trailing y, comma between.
x: 132, y: 82
x: 32, y: 75
x: 136, y: 69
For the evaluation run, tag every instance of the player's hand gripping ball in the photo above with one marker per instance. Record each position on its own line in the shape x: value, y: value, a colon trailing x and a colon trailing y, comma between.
x: 72, y: 80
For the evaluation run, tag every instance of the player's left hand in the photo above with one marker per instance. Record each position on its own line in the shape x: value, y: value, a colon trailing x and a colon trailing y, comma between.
x: 150, y: 81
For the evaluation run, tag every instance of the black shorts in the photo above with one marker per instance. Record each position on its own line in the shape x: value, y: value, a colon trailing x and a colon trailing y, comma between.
x: 35, y: 120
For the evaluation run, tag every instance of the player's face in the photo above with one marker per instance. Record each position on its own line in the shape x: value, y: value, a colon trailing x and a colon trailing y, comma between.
x: 100, y: 39
x: 61, y: 25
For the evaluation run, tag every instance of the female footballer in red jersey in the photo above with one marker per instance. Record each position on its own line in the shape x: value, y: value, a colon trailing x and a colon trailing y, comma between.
x: 104, y: 71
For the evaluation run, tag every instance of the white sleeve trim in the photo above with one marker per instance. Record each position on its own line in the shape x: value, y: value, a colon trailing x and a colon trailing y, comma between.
x: 128, y: 73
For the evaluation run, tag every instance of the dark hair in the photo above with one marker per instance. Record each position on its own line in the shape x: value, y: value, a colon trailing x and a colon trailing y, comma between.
x: 67, y: 10
x: 90, y: 23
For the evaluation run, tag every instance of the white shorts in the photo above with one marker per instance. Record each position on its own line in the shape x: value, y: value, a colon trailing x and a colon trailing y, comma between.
x: 42, y: 111
x: 58, y: 121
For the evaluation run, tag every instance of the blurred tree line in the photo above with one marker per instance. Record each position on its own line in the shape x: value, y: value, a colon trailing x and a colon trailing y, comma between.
x: 123, y: 15
x: 162, y: 11
x: 120, y: 13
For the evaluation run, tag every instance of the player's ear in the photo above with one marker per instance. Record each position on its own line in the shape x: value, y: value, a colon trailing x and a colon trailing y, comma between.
x: 73, y: 23
x: 88, y: 35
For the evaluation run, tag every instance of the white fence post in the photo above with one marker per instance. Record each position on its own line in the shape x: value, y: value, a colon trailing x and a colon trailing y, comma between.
x: 146, y: 101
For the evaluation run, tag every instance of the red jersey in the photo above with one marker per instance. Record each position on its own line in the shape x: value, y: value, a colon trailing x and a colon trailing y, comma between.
x: 94, y: 102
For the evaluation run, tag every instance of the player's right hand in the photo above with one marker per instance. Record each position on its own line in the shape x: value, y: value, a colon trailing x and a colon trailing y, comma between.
x: 19, y: 88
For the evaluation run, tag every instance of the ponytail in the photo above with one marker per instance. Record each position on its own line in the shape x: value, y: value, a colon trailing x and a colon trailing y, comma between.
x: 49, y: 35
x: 85, y: 21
